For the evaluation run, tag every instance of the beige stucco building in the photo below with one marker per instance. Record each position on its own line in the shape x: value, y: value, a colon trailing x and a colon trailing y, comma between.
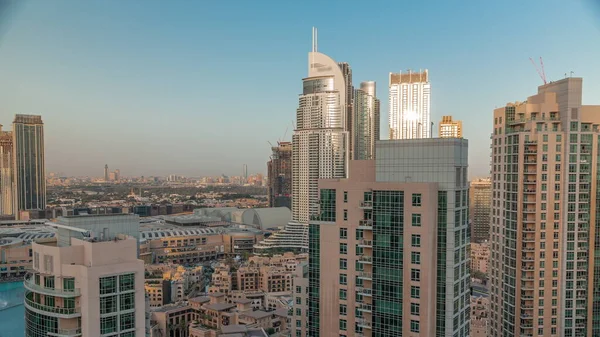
x: 388, y: 249
x: 480, y: 256
x: 544, y: 231
x: 85, y: 287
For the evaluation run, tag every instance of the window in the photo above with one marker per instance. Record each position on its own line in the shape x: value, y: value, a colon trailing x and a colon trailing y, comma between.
x: 49, y: 282
x: 343, y: 279
x: 414, y: 309
x: 298, y: 312
x: 126, y: 282
x: 416, y: 220
x: 298, y: 289
x: 415, y: 275
x: 415, y: 257
x: 298, y: 300
x: 345, y: 214
x: 343, y: 324
x: 69, y: 303
x: 416, y: 240
x: 343, y: 248
x: 69, y: 283
x: 345, y: 196
x: 127, y: 321
x: 108, y: 324
x: 343, y: 264
x: 414, y: 326
x: 127, y: 301
x: 108, y: 285
x: 343, y: 233
x: 343, y: 309
x: 415, y: 292
x: 108, y: 304
x: 343, y: 294
x: 416, y: 199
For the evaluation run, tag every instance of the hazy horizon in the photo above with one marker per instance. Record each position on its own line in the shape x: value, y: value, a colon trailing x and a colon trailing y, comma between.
x: 200, y: 88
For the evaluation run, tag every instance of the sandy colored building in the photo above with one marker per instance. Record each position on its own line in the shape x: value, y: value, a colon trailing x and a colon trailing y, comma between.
x: 480, y: 320
x: 15, y: 257
x: 545, y: 226
x: 85, y: 284
x: 480, y: 208
x: 299, y: 316
x: 480, y: 257
x: 450, y: 128
x: 388, y: 249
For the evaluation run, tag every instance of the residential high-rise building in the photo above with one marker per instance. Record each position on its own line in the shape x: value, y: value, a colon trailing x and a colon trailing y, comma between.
x: 86, y: 282
x: 388, y: 249
x: 320, y: 141
x: 106, y: 173
x: 7, y: 185
x: 365, y: 121
x: 29, y: 163
x: 450, y: 128
x: 279, y: 175
x: 545, y: 273
x: 480, y: 194
x: 410, y: 97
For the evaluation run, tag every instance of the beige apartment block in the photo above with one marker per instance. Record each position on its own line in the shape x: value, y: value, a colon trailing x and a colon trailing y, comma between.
x: 15, y: 257
x: 86, y: 287
x: 480, y: 207
x: 480, y: 257
x: 544, y: 228
x: 389, y: 246
x: 449, y: 128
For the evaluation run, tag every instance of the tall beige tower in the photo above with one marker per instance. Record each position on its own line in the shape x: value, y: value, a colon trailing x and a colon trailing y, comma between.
x: 480, y: 194
x: 449, y: 128
x: 7, y: 183
x: 545, y: 224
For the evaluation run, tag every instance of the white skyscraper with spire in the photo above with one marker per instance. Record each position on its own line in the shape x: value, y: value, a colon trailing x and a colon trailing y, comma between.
x: 320, y: 141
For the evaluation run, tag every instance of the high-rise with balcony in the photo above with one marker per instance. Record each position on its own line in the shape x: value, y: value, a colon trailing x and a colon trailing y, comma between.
x: 388, y: 248
x: 545, y: 273
x: 365, y: 121
x: 320, y: 141
x: 7, y: 187
x: 480, y: 193
x: 450, y: 128
x: 29, y: 163
x: 280, y: 175
x: 410, y: 97
x: 86, y: 282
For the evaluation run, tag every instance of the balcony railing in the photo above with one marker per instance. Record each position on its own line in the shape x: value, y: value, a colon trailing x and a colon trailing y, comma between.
x: 365, y: 291
x: 365, y: 223
x: 56, y: 311
x: 29, y: 283
x: 363, y: 323
x: 365, y: 275
x: 365, y: 259
x: 366, y: 204
x: 365, y: 243
x: 365, y: 307
x: 66, y: 333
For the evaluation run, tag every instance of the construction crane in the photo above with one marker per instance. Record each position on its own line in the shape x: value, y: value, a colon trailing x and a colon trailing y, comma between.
x: 540, y: 70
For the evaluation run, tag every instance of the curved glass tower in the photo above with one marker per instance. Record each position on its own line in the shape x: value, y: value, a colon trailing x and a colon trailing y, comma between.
x: 320, y: 141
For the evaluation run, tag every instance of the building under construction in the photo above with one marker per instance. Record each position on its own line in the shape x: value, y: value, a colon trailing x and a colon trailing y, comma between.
x: 280, y: 175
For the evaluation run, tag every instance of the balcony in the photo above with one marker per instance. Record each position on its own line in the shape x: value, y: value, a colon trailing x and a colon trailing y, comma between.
x: 529, y: 210
x: 366, y: 205
x: 528, y: 249
x: 365, y: 243
x: 365, y: 307
x: 365, y: 291
x: 365, y: 224
x: 529, y: 191
x: 529, y: 230
x: 66, y: 333
x: 29, y: 284
x: 365, y: 275
x: 529, y: 181
x: 365, y: 259
x: 363, y: 323
x: 529, y: 238
x: 51, y: 311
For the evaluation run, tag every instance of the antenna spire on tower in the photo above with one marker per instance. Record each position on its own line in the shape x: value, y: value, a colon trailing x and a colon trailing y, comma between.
x: 315, y: 42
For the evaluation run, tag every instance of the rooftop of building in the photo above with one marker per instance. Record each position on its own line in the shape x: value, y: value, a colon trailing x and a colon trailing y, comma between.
x: 219, y: 306
x: 171, y: 307
x: 240, y: 330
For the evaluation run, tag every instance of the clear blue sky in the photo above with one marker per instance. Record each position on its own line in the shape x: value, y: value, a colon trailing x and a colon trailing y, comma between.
x: 199, y: 87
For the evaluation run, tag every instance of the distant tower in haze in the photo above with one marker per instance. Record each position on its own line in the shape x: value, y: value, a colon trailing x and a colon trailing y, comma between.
x: 410, y: 114
x: 29, y: 163
x: 280, y: 175
x: 365, y: 122
x: 106, y: 174
x: 245, y: 173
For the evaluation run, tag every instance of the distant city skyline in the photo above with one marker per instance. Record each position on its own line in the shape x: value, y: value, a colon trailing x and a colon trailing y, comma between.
x: 109, y: 94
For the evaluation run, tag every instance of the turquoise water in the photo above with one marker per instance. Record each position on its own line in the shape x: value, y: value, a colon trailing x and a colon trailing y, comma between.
x: 12, y: 320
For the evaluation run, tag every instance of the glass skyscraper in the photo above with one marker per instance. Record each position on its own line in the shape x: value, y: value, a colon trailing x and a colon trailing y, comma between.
x: 29, y: 163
